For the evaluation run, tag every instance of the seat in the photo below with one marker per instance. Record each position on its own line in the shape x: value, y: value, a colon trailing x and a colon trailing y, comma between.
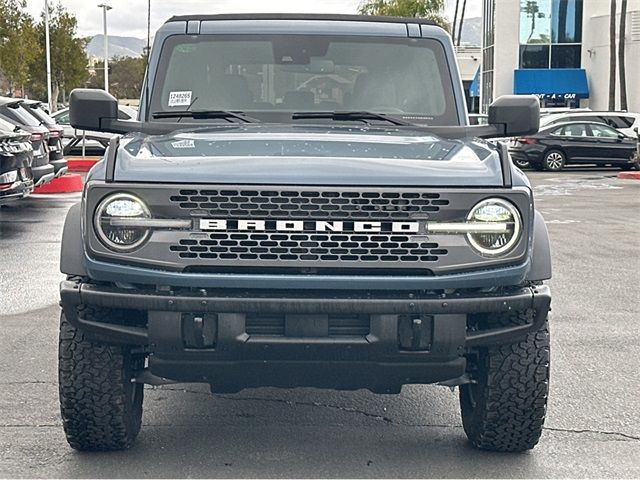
x: 373, y: 90
x: 298, y: 101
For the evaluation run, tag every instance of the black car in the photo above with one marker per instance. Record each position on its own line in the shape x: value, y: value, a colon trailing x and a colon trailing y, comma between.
x: 56, y: 133
x: 555, y: 146
x: 16, y: 179
x: 11, y: 110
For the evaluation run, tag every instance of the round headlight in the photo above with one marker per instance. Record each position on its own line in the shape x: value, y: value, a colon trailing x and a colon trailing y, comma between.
x: 505, y: 219
x: 115, y: 222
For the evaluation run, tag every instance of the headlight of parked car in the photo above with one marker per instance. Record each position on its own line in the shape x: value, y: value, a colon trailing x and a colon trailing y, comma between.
x: 503, y: 227
x: 120, y: 222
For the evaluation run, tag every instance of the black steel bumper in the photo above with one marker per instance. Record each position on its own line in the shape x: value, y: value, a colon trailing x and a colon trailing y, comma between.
x: 240, y: 359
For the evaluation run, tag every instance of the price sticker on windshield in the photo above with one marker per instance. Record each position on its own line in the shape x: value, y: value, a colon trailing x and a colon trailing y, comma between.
x: 179, y: 99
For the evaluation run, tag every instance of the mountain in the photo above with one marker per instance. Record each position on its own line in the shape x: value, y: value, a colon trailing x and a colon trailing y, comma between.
x: 118, y: 46
x: 472, y: 31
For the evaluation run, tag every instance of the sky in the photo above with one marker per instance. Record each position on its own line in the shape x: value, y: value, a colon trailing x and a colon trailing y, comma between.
x: 128, y: 18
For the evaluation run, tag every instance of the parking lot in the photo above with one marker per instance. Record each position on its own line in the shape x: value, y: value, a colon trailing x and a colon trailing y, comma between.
x: 592, y: 430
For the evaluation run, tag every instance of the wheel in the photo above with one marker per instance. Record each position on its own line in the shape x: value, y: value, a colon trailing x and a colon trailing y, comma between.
x: 521, y: 163
x: 553, y: 161
x: 101, y: 407
x: 504, y: 410
x: 631, y: 166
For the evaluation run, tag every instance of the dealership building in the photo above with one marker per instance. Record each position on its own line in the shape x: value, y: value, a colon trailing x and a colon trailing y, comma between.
x: 557, y: 50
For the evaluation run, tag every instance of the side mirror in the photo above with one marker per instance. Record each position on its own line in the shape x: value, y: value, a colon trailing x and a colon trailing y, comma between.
x: 515, y: 115
x: 96, y: 110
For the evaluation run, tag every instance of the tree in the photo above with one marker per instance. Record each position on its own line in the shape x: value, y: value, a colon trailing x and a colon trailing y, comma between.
x: 19, y: 44
x: 621, y: 56
x: 612, y: 57
x: 126, y: 75
x: 459, y: 37
x: 430, y: 9
x: 68, y: 57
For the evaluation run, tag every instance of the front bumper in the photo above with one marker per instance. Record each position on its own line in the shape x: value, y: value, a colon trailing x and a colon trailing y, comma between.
x: 238, y: 359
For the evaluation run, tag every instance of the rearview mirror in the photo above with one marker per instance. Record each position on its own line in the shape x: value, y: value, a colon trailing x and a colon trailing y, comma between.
x: 96, y: 110
x: 515, y: 115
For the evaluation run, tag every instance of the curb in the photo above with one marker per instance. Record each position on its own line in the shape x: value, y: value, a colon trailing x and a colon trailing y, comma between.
x: 69, y: 183
x: 629, y: 175
x: 81, y: 164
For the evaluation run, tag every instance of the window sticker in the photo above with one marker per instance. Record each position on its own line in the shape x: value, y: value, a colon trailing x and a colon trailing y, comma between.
x: 179, y: 99
x: 183, y: 144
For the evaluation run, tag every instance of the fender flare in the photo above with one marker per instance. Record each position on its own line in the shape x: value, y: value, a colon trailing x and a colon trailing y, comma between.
x: 541, y: 251
x: 72, y: 249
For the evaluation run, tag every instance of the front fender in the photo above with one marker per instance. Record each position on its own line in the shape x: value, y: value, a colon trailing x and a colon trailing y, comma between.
x: 541, y: 252
x: 72, y: 257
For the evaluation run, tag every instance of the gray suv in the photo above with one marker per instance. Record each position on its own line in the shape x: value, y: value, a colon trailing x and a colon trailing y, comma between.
x: 301, y: 202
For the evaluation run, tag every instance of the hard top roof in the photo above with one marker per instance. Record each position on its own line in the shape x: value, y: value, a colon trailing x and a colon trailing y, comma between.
x: 302, y: 16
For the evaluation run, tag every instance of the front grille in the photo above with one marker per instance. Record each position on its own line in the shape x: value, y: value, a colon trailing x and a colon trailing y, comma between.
x: 309, y: 247
x: 316, y: 204
x: 343, y: 325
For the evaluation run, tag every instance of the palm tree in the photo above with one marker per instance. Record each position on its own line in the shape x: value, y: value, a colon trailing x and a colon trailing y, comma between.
x: 612, y: 57
x: 455, y: 20
x: 621, y: 53
x: 464, y: 6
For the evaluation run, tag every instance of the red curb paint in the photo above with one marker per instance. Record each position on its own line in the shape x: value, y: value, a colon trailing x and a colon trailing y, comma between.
x: 81, y: 164
x: 629, y: 175
x: 71, y: 182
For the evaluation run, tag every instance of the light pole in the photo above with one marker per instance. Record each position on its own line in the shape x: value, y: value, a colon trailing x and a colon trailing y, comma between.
x: 48, y: 50
x: 105, y: 8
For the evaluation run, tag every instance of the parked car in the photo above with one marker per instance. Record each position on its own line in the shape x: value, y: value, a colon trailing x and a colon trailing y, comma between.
x: 93, y: 140
x: 16, y: 155
x: 11, y: 110
x: 555, y: 146
x: 478, y: 119
x: 56, y: 134
x: 625, y: 122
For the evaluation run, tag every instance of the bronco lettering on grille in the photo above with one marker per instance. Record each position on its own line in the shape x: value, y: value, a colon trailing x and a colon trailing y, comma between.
x: 213, y: 224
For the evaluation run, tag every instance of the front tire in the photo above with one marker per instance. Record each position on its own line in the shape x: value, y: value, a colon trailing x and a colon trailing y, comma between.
x: 504, y: 410
x: 101, y: 407
x: 554, y: 161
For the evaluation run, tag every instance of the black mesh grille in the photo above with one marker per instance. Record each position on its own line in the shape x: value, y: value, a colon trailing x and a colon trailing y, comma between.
x: 309, y: 247
x: 343, y: 325
x: 314, y: 204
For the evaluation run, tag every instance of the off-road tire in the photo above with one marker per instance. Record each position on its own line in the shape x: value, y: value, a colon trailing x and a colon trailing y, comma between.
x: 101, y: 408
x: 505, y: 409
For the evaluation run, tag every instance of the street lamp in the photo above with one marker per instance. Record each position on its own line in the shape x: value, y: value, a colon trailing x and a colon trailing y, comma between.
x: 48, y: 50
x: 105, y: 8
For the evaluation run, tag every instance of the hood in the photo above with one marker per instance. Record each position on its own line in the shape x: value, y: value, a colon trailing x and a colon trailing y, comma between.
x: 307, y: 155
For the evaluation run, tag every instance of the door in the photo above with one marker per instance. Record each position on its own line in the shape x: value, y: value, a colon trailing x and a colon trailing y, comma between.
x: 574, y: 140
x: 612, y: 145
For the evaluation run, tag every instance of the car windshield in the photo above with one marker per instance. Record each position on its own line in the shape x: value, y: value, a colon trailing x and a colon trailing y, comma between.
x: 274, y: 76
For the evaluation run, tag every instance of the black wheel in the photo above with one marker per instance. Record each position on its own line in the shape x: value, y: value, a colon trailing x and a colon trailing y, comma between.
x: 553, y: 160
x: 101, y: 407
x: 504, y: 410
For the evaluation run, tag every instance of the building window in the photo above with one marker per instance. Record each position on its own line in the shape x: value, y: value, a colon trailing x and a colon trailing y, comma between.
x: 565, y: 56
x: 488, y: 40
x: 550, y: 33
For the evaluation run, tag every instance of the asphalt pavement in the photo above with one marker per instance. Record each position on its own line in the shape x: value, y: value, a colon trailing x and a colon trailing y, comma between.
x: 592, y: 429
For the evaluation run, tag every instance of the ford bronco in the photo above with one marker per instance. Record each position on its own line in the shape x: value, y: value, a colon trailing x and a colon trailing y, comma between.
x: 302, y: 203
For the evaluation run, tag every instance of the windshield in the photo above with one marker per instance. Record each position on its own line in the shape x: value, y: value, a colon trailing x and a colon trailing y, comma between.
x: 270, y: 74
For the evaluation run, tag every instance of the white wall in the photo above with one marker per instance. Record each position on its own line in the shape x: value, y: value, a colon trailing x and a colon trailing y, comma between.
x: 595, y: 54
x: 507, y: 46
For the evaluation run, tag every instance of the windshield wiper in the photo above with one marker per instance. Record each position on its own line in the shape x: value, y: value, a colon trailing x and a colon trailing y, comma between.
x: 351, y: 116
x: 202, y: 114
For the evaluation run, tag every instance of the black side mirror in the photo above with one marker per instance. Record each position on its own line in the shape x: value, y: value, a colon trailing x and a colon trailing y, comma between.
x: 515, y: 115
x: 96, y: 110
